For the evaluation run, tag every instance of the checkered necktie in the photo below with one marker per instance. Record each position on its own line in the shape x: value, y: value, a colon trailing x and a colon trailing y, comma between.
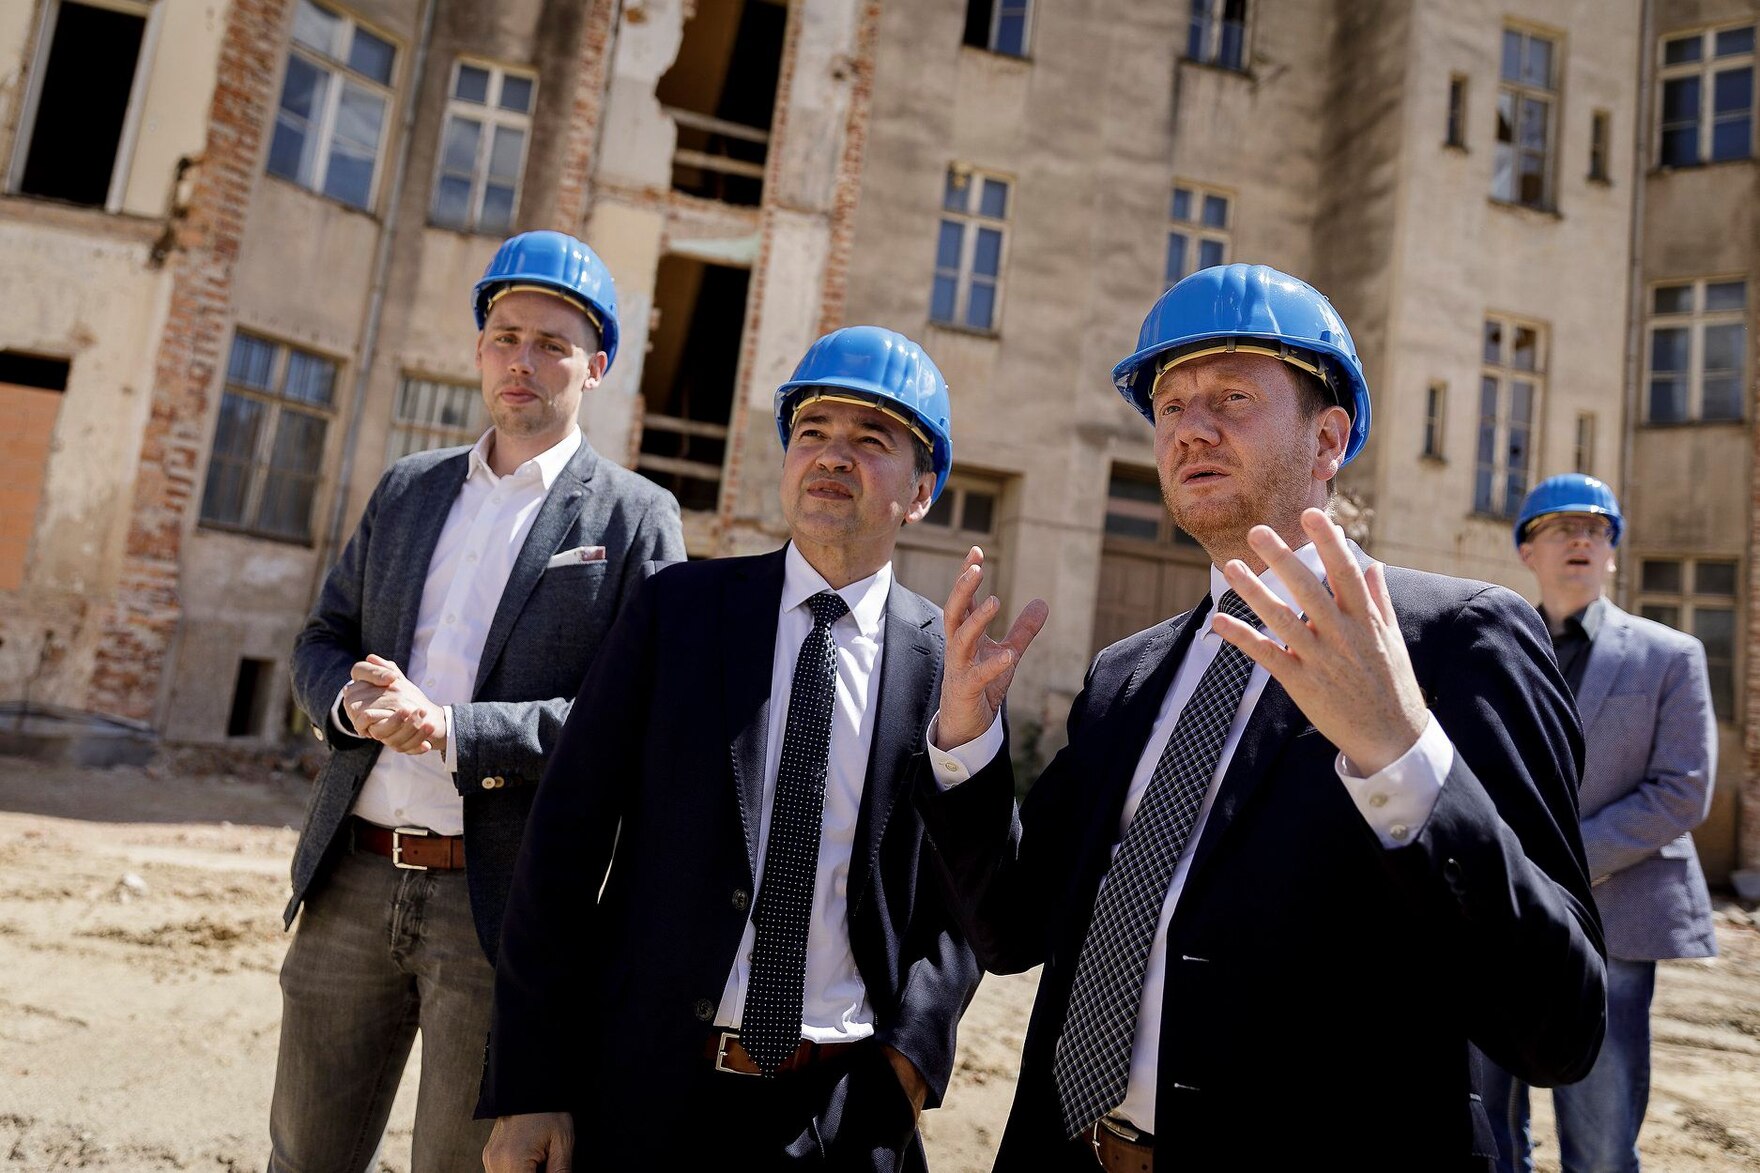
x: 1094, y: 1053
x: 770, y: 1026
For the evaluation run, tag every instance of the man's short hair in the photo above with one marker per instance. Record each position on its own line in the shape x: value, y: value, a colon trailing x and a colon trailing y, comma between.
x: 1313, y: 395
x: 925, y: 459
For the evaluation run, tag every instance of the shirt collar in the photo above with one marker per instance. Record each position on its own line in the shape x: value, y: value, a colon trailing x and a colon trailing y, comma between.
x: 1309, y: 555
x: 1588, y: 620
x: 546, y: 465
x: 866, y: 597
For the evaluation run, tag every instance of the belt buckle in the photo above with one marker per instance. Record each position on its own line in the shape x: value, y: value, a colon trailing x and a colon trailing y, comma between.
x: 729, y: 1036
x: 397, y: 834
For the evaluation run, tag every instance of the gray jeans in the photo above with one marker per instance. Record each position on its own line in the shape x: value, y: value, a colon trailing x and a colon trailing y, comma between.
x: 380, y: 953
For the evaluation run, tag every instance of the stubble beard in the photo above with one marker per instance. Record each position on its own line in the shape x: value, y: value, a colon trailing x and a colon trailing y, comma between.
x: 1276, y: 497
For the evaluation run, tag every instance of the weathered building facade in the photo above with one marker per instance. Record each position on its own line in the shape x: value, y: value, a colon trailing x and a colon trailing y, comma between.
x: 221, y: 334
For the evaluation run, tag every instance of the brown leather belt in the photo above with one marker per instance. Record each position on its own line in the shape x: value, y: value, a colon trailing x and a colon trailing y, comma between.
x: 726, y: 1053
x: 414, y: 848
x: 1120, y: 1148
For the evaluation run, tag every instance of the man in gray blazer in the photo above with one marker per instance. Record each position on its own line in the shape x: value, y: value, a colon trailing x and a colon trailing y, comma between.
x: 1651, y: 742
x: 439, y: 666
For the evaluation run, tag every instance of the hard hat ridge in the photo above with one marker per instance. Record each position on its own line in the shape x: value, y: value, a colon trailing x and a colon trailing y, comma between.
x: 1571, y: 492
x: 558, y: 264
x: 879, y: 368
x: 1253, y: 309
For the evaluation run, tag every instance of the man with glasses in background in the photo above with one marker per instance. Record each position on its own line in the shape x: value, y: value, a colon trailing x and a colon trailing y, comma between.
x: 1651, y: 754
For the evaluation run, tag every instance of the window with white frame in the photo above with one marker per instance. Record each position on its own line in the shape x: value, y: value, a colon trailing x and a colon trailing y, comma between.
x: 1197, y: 237
x: 1706, y: 113
x: 335, y: 100
x: 483, y: 149
x: 82, y: 101
x: 1217, y: 34
x: 1527, y: 104
x: 1001, y: 26
x: 1511, y: 388
x: 1697, y: 596
x: 268, y: 452
x: 430, y: 413
x: 1697, y: 353
x: 969, y: 250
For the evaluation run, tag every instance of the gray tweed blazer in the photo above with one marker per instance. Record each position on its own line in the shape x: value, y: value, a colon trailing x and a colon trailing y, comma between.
x: 543, y: 638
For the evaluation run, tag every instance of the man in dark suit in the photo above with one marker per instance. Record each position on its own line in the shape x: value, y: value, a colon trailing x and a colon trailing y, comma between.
x: 453, y: 632
x: 724, y: 945
x: 1278, y: 878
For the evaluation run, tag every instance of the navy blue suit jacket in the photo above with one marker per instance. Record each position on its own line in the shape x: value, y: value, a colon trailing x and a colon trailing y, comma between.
x: 1320, y: 990
x: 602, y: 1005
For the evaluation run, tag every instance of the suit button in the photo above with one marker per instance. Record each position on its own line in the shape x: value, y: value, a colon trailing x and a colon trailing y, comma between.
x: 740, y: 900
x: 488, y: 783
x: 318, y: 733
x: 500, y: 781
x: 705, y: 1010
x: 1451, y: 871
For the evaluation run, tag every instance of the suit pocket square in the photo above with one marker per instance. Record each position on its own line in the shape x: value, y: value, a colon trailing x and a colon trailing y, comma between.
x: 576, y: 556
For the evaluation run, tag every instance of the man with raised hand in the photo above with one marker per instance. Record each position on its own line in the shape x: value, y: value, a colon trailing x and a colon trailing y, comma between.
x: 1307, y: 839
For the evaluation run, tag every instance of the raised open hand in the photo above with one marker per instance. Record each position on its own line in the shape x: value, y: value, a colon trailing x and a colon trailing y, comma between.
x: 1344, y: 662
x: 978, y: 670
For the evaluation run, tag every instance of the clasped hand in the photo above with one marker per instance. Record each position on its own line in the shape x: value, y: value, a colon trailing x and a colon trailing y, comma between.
x: 383, y: 704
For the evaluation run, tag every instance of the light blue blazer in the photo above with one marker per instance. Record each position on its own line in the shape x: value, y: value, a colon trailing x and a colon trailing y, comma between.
x: 1651, y: 740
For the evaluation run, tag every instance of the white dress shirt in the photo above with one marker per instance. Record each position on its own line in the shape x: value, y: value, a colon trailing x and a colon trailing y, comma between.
x: 1395, y: 802
x: 478, y: 546
x: 835, y: 1004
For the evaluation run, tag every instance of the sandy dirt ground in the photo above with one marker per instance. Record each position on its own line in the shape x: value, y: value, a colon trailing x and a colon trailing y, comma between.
x: 140, y: 937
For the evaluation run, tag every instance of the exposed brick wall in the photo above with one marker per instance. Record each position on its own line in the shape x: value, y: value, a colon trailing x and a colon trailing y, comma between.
x: 848, y: 191
x: 579, y: 149
x: 140, y: 623
x: 845, y: 194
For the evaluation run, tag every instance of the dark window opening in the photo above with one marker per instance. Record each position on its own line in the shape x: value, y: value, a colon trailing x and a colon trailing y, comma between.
x: 721, y: 91
x: 1456, y: 134
x: 250, y: 698
x: 1600, y: 138
x: 33, y: 370
x: 82, y: 104
x: 998, y: 25
x: 688, y: 379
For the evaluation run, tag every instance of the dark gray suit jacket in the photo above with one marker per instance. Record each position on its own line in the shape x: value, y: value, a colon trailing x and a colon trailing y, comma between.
x: 544, y: 636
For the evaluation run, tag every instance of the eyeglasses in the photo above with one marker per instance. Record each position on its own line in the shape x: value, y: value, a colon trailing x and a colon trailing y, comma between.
x: 1592, y: 528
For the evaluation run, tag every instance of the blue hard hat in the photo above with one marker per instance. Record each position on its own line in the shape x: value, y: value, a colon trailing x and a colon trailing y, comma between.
x: 1571, y: 492
x: 556, y: 263
x: 1230, y: 304
x: 880, y: 368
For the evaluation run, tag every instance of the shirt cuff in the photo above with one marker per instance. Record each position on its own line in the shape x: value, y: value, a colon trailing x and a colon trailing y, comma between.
x: 1396, y: 801
x: 449, y: 755
x: 953, y: 766
x: 337, y: 718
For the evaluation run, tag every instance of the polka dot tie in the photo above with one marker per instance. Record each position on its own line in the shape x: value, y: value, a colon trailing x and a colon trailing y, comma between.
x: 770, y: 1026
x: 1092, y: 1067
